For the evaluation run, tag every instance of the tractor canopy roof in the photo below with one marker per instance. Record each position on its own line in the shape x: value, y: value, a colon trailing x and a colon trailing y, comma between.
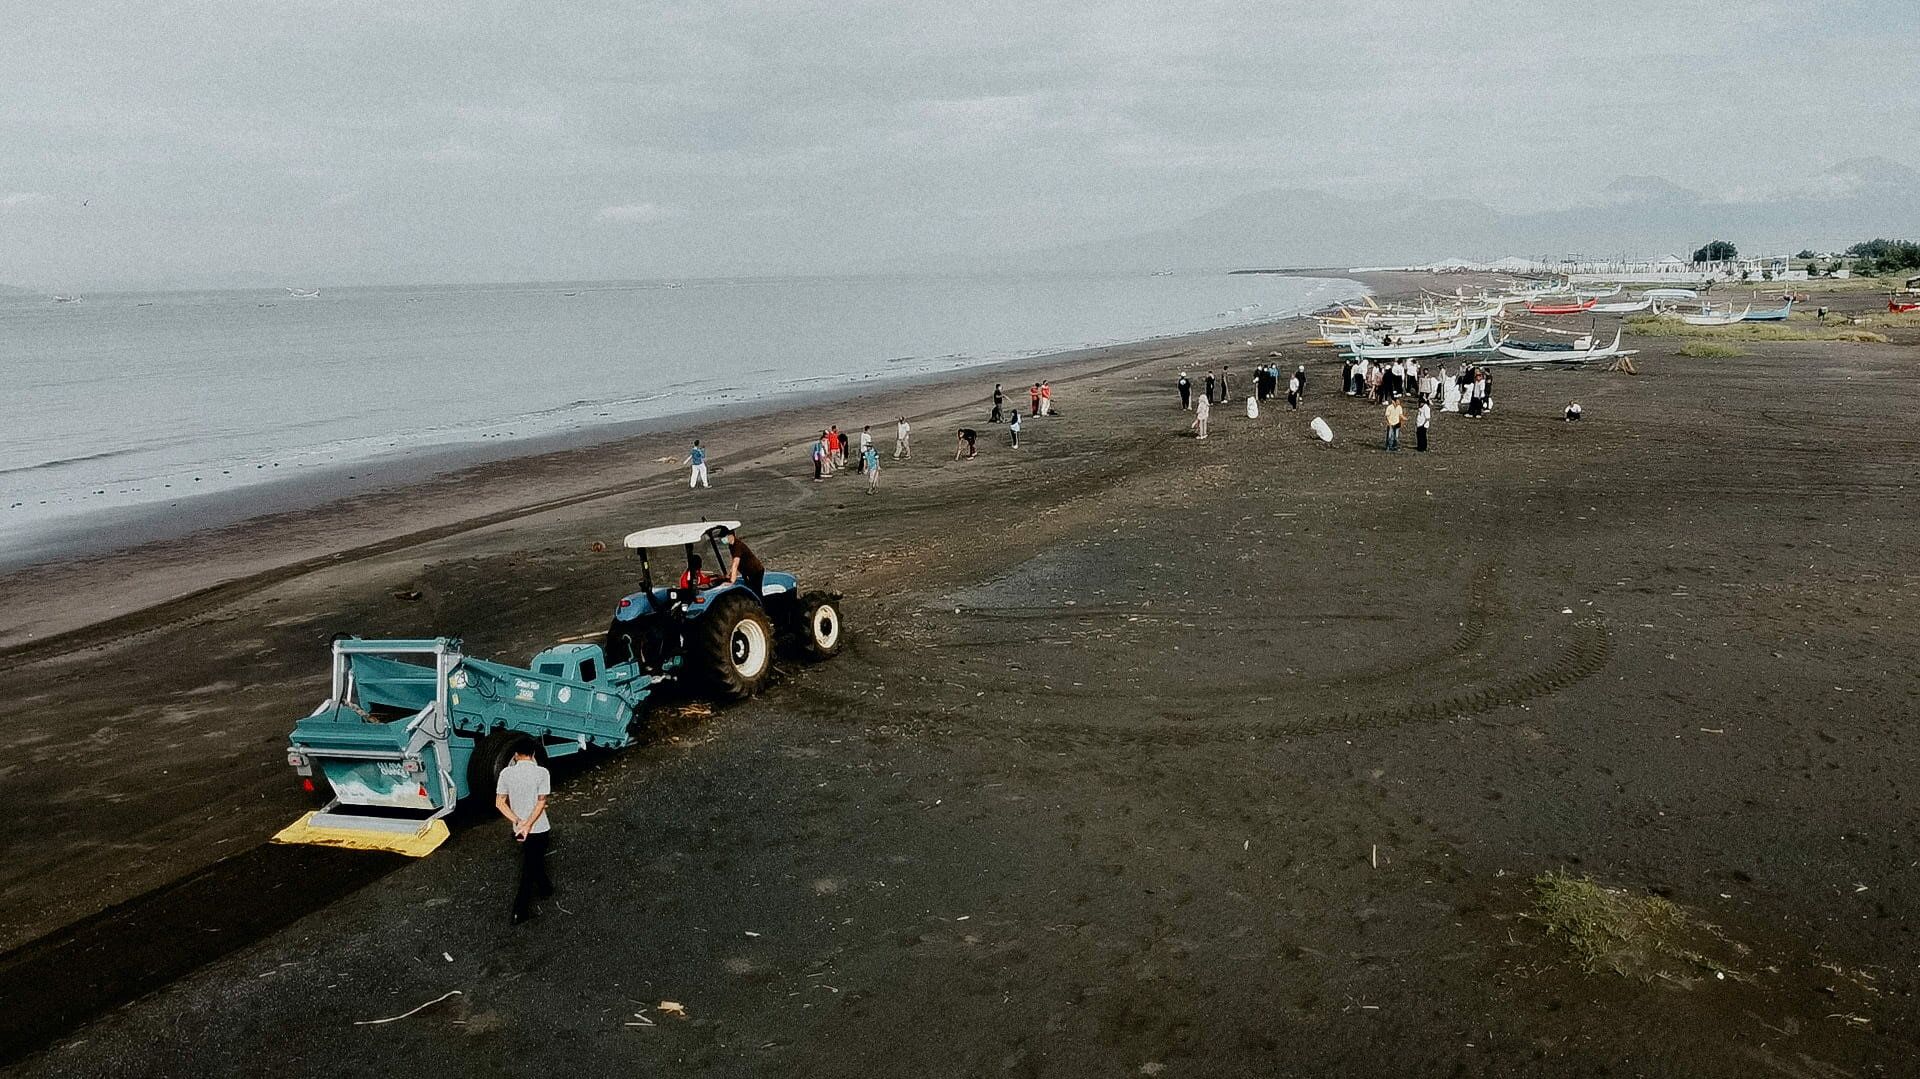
x: 678, y: 535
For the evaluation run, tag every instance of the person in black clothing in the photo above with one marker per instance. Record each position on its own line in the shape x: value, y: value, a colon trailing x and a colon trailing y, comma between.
x: 1225, y: 394
x: 1301, y: 374
x: 745, y: 567
x: 999, y: 399
x: 965, y: 444
x: 1210, y: 381
x: 1186, y: 393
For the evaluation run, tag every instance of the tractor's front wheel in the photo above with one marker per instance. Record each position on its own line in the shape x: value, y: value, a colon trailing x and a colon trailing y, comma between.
x: 732, y: 647
x: 820, y: 631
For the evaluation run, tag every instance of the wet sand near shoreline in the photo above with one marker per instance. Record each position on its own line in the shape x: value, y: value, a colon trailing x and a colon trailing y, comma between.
x: 1148, y: 756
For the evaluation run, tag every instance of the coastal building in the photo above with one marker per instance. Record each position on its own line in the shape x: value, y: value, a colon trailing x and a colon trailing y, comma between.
x: 1672, y: 269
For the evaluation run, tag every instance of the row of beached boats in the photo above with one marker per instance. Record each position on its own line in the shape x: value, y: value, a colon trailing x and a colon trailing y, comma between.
x: 1442, y: 325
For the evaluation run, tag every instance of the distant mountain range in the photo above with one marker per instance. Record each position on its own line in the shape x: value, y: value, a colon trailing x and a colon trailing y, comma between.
x: 1635, y: 215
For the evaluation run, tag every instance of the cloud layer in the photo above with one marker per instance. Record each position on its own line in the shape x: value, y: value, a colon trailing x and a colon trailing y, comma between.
x: 339, y: 140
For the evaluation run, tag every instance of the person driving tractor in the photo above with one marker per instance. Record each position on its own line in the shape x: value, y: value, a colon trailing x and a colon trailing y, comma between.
x: 695, y: 577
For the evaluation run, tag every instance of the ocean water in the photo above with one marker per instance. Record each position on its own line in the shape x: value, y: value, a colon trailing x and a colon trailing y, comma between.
x: 135, y: 399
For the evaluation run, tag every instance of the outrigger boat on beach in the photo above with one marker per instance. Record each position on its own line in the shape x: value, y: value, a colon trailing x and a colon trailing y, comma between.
x: 1671, y: 294
x: 1622, y: 308
x: 1712, y: 316
x: 1903, y: 307
x: 1464, y: 339
x: 1579, y: 308
x: 1579, y: 350
x: 1778, y: 314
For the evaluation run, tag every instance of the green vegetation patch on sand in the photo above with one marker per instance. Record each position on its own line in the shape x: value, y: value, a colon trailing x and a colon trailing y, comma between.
x: 1615, y: 930
x: 1668, y: 326
x: 1711, y: 350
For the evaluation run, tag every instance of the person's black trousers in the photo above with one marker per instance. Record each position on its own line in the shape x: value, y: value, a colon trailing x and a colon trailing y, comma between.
x: 533, y: 873
x: 1419, y: 440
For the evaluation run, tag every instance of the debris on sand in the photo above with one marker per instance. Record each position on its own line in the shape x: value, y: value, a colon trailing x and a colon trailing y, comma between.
x: 673, y: 1007
x: 1616, y: 930
x: 407, y: 1014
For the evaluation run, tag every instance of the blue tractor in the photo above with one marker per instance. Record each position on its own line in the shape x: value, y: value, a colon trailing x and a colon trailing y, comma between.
x: 716, y: 634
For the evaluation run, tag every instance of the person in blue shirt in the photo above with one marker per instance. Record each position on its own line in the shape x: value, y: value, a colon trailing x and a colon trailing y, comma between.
x: 698, y: 459
x: 870, y: 464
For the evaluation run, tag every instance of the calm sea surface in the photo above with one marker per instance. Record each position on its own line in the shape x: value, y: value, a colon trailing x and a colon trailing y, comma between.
x: 126, y: 399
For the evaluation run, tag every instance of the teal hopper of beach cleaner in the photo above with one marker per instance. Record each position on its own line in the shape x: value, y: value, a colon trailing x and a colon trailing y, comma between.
x: 411, y: 727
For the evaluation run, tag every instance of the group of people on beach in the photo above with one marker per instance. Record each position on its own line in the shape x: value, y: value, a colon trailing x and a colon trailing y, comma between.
x: 831, y: 449
x: 1039, y: 403
x: 1470, y: 392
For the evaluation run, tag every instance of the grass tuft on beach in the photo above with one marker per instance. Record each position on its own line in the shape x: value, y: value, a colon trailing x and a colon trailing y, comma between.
x: 1711, y: 350
x: 1617, y: 931
x: 1666, y: 326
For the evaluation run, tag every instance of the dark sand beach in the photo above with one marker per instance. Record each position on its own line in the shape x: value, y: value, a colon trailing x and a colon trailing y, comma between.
x: 1148, y: 756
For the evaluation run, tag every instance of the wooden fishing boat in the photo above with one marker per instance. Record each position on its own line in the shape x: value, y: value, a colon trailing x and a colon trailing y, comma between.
x: 1671, y: 294
x: 1579, y: 350
x: 1622, y: 308
x: 1466, y: 338
x: 1903, y: 307
x: 1560, y: 308
x: 1713, y: 316
x: 1778, y: 314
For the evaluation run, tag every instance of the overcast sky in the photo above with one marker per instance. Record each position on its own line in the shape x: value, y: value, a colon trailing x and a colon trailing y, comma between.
x: 391, y: 140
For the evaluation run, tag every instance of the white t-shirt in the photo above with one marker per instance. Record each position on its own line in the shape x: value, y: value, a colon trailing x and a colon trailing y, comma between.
x: 525, y: 783
x: 901, y: 431
x: 865, y: 441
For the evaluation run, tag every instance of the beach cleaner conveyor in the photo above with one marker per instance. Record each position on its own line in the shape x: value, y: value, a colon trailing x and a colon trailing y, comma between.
x: 411, y: 727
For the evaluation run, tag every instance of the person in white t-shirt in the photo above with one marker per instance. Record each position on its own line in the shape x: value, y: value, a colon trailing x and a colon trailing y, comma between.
x: 521, y: 797
x: 902, y: 440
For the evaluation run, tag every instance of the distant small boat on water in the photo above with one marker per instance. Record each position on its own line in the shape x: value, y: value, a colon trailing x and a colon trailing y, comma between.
x: 66, y: 299
x: 303, y: 293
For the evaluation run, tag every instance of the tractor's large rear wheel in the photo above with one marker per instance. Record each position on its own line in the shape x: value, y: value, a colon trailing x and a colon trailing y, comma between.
x: 731, y: 647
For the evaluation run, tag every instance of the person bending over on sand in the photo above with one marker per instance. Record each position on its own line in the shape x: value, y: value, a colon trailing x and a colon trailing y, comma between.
x: 1186, y: 392
x: 745, y: 567
x: 963, y: 446
x: 1573, y: 411
x: 1200, y: 417
x: 903, y: 440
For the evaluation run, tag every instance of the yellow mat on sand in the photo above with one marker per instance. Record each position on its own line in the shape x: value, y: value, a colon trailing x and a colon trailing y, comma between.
x: 412, y: 844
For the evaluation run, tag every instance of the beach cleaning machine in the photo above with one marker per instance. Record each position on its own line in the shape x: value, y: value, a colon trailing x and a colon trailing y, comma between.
x: 413, y: 726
